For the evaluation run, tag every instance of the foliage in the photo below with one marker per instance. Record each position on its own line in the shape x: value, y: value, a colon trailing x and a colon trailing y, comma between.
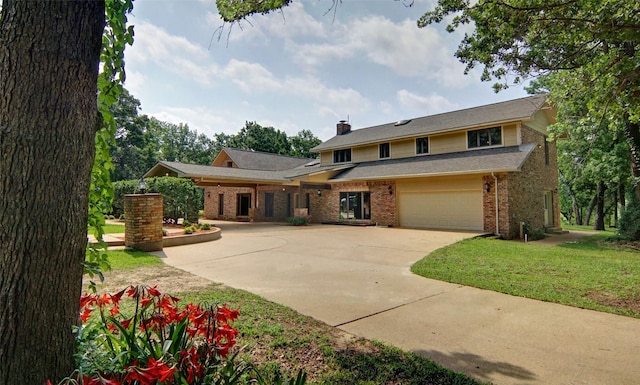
x: 235, y: 10
x: 255, y: 137
x: 158, y: 343
x: 116, y: 36
x: 299, y: 221
x: 592, y: 149
x: 629, y: 226
x: 592, y: 274
x: 181, y: 197
x: 142, y: 141
x: 205, y: 226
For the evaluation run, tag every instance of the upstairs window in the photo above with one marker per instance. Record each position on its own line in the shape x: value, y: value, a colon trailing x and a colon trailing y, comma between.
x: 485, y: 137
x: 342, y: 156
x: 422, y: 146
x: 384, y: 150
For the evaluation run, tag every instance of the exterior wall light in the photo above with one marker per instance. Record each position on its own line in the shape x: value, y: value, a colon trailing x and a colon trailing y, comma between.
x: 390, y: 189
x: 487, y: 186
x: 142, y: 186
x: 319, y: 193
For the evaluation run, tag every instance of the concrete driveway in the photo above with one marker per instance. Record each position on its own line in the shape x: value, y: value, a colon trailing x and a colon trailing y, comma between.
x: 358, y: 279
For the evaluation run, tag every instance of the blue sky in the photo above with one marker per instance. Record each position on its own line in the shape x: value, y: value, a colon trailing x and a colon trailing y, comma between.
x: 297, y: 69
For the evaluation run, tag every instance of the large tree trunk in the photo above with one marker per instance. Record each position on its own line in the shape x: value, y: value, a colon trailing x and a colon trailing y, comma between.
x: 49, y: 54
x: 598, y: 224
x: 632, y: 132
x: 576, y: 210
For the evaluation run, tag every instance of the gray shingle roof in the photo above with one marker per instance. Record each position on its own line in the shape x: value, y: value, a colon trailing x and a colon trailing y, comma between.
x: 255, y: 160
x: 501, y: 159
x: 184, y: 170
x: 512, y: 110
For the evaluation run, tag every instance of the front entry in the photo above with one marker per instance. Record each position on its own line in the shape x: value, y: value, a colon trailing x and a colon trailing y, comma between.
x: 244, y: 204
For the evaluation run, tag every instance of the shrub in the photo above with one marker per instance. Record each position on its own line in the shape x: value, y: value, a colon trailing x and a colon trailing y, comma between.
x: 299, y: 221
x: 181, y: 197
x: 158, y: 343
x: 164, y: 233
x: 186, y: 223
x: 205, y: 226
x: 121, y: 217
x: 190, y: 230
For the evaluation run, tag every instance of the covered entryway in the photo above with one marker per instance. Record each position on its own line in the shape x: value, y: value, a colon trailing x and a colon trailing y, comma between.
x: 441, y: 203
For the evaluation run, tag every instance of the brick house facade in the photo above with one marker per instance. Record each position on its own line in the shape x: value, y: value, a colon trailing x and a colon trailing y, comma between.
x: 443, y: 171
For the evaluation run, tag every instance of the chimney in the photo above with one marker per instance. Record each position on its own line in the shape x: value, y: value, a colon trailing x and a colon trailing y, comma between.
x: 343, y: 127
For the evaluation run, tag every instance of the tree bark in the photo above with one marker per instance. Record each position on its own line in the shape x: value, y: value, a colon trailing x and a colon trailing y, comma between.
x: 576, y: 210
x: 632, y: 132
x: 598, y: 224
x: 49, y: 54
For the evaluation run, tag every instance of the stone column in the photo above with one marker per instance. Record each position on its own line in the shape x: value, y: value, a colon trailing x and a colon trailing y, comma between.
x: 143, y: 221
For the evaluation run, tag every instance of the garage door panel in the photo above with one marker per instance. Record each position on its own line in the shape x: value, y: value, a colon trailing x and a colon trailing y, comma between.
x: 460, y: 210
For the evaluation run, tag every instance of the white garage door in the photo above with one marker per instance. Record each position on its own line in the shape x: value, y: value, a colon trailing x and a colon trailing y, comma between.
x: 459, y: 210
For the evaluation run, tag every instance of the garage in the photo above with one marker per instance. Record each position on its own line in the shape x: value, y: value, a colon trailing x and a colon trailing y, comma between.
x: 441, y: 203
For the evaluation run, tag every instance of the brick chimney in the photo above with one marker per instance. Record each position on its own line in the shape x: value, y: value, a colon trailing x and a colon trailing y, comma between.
x: 343, y: 127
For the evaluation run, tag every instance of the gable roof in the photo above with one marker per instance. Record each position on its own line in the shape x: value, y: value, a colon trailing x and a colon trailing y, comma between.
x: 497, y: 113
x: 197, y: 171
x: 500, y: 159
x: 256, y: 160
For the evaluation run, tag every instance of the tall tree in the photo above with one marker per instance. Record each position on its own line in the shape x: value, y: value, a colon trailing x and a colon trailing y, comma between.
x: 49, y: 54
x: 302, y: 143
x: 597, y: 41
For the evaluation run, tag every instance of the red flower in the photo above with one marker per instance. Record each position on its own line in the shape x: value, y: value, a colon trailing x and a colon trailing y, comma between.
x: 86, y: 313
x: 154, y: 292
x: 117, y: 296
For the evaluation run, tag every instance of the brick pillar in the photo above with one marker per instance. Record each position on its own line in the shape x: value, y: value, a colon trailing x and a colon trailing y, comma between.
x: 143, y: 221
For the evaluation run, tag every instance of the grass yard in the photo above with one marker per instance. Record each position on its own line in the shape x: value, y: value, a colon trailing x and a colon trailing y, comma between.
x: 112, y: 228
x: 279, y: 339
x: 590, y: 274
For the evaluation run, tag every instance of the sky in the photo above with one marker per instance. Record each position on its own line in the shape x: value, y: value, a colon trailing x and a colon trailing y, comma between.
x: 298, y: 69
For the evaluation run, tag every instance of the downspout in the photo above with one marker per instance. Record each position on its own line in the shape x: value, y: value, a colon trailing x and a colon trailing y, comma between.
x: 495, y: 178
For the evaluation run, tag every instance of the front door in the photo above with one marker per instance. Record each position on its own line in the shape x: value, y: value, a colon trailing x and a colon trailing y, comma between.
x: 244, y: 204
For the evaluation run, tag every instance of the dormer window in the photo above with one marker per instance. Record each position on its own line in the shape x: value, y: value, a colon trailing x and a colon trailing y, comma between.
x: 342, y: 156
x: 422, y: 146
x: 384, y: 150
x: 485, y: 137
x: 229, y: 164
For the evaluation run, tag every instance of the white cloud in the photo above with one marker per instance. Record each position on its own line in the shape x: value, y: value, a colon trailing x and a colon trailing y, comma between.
x: 251, y: 77
x: 174, y: 54
x: 424, y: 105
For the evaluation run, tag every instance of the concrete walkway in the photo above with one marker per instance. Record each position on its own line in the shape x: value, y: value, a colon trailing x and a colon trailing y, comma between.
x: 358, y: 279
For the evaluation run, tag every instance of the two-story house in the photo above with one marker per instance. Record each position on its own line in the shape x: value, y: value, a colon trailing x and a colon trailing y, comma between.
x: 487, y: 169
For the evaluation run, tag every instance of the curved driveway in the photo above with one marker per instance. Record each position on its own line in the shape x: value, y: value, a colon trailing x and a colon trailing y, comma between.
x: 358, y: 279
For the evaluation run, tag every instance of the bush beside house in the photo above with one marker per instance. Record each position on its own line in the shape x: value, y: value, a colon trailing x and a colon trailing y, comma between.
x: 181, y: 197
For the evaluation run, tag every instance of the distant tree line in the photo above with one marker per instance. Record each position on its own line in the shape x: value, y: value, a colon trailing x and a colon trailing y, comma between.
x: 142, y: 141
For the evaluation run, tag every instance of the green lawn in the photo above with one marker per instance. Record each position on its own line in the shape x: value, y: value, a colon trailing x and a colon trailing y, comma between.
x: 127, y: 259
x: 111, y: 228
x: 589, y: 274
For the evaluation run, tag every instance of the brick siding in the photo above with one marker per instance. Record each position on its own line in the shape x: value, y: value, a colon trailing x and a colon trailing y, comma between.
x: 143, y: 221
